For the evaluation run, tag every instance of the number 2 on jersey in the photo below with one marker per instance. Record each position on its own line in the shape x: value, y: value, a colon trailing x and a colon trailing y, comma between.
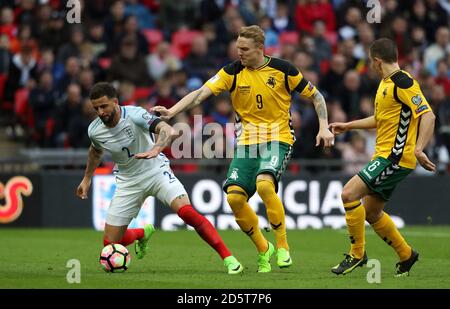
x: 128, y: 152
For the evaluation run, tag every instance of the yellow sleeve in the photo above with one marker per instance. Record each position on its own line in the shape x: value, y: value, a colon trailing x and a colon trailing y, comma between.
x: 414, y: 98
x: 298, y: 83
x: 220, y: 82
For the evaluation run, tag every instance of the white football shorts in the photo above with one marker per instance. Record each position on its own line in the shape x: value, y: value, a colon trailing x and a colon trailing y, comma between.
x: 131, y: 192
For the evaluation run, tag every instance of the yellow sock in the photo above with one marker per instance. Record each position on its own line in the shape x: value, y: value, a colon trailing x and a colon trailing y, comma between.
x: 386, y: 229
x: 355, y: 216
x: 275, y: 211
x: 246, y: 218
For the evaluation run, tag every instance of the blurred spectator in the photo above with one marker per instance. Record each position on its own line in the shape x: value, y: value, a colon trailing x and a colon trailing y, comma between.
x: 436, y: 17
x: 114, y: 25
x: 350, y: 94
x: 199, y: 63
x: 162, y: 61
x: 22, y: 72
x: 42, y: 103
x: 47, y: 63
x: 144, y: 17
x: 72, y: 69
x: 129, y: 65
x: 333, y: 79
x: 174, y: 14
x: 5, y: 55
x: 71, y: 49
x: 131, y: 30
x: 86, y: 78
x: 163, y: 96
x: 442, y: 77
x: 355, y: 154
x: 346, y: 48
x: 283, y: 21
x: 308, y: 11
x: 438, y: 49
x: 7, y: 25
x: 54, y: 36
x: 271, y: 37
x: 222, y: 112
x: 69, y: 109
x: 353, y: 18
x: 322, y: 47
x: 77, y: 136
x: 97, y: 39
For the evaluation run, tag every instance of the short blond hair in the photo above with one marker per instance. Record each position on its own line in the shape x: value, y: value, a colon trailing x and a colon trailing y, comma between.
x: 253, y: 32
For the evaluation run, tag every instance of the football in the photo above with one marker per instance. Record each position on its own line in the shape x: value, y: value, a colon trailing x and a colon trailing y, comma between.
x: 115, y: 258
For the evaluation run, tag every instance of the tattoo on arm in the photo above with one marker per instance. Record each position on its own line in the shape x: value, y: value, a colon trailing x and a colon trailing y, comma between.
x: 181, y: 196
x: 320, y: 105
x: 93, y: 161
x: 164, y: 137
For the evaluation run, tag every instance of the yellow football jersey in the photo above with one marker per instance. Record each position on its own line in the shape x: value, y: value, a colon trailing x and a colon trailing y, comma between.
x: 261, y: 99
x: 398, y: 104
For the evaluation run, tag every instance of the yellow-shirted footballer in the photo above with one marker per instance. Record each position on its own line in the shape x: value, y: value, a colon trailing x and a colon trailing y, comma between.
x: 260, y: 88
x: 405, y: 123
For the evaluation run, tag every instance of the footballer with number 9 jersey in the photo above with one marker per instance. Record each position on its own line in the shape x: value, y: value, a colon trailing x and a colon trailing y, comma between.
x: 260, y: 88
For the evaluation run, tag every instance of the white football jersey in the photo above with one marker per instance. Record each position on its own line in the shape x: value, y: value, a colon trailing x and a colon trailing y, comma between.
x: 130, y: 136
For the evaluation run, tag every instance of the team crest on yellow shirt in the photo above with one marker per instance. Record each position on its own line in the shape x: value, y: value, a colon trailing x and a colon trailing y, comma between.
x: 271, y: 82
x: 417, y: 99
x: 384, y: 92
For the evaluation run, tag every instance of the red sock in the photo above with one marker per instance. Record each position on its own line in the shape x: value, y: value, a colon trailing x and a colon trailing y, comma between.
x: 128, y: 238
x: 204, y: 228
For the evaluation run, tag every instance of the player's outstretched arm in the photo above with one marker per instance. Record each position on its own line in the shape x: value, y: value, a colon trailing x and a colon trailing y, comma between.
x: 425, y: 133
x: 94, y: 157
x: 321, y: 109
x: 188, y: 101
x: 342, y: 127
x: 165, y: 136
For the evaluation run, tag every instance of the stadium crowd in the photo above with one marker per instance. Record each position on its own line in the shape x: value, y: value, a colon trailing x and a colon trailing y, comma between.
x: 155, y: 52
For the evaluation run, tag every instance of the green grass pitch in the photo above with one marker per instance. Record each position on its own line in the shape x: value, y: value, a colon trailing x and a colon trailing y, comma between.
x: 36, y: 258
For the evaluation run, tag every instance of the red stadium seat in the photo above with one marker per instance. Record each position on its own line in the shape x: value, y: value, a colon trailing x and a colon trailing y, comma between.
x: 104, y: 63
x: 153, y: 37
x: 182, y: 40
x: 289, y: 37
x: 142, y: 93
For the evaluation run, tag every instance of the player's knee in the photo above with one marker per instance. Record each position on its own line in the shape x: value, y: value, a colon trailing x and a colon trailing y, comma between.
x: 265, y: 189
x: 347, y: 195
x: 236, y: 200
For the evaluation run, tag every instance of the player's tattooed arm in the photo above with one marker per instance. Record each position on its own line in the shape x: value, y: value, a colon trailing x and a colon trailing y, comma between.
x: 321, y: 109
x: 94, y: 157
x: 165, y: 136
x: 320, y: 106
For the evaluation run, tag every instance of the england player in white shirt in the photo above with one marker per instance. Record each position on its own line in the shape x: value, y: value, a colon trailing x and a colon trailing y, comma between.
x: 126, y: 133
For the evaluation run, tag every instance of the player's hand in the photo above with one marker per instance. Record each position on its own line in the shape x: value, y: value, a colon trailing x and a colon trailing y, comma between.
x: 326, y: 136
x: 164, y: 112
x: 424, y: 161
x: 338, y: 128
x: 83, y: 189
x: 152, y: 153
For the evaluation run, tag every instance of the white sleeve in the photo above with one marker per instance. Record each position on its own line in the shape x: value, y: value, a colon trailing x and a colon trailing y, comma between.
x: 144, y: 119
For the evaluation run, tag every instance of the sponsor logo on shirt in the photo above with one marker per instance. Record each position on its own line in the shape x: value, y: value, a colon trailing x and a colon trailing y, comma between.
x: 421, y: 108
x: 417, y: 99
